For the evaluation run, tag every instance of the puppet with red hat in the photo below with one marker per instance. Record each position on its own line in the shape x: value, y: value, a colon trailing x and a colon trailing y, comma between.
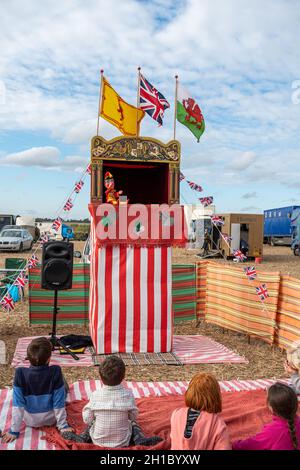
x: 112, y: 196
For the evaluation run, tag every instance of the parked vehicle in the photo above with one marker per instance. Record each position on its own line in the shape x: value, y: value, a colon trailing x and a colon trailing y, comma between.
x: 295, y: 223
x: 6, y: 220
x: 277, y: 225
x: 85, y: 256
x: 15, y: 240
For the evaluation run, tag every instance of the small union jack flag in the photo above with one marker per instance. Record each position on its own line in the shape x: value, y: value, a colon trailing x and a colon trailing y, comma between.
x: 68, y: 205
x: 195, y: 186
x: 262, y: 292
x: 56, y: 224
x: 181, y: 177
x: 226, y: 238
x: 217, y: 220
x: 21, y: 280
x: 44, y: 239
x: 206, y: 201
x: 152, y: 101
x: 251, y: 273
x: 89, y: 169
x: 239, y: 256
x: 7, y: 302
x: 33, y: 262
x: 78, y: 186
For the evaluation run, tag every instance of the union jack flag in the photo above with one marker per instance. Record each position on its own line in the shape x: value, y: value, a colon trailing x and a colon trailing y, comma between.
x: 44, y: 239
x: 152, y: 101
x: 56, y: 224
x: 206, y: 201
x: 68, y: 205
x: 21, y: 280
x: 226, y: 238
x: 78, y: 186
x: 7, y: 302
x: 239, y: 256
x: 195, y: 186
x: 217, y: 220
x: 251, y: 273
x: 262, y: 292
x: 89, y: 169
x: 33, y: 262
x: 181, y: 177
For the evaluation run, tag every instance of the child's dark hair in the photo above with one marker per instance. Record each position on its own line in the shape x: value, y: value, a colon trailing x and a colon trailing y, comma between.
x: 284, y: 403
x: 112, y: 371
x: 39, y: 351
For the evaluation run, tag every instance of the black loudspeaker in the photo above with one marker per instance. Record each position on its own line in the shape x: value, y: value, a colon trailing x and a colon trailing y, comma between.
x: 57, y: 266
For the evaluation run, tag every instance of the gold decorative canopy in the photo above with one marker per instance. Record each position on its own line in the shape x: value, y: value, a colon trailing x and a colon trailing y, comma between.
x: 139, y: 150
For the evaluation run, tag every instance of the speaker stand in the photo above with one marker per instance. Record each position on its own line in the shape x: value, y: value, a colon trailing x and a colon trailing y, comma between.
x: 55, y: 341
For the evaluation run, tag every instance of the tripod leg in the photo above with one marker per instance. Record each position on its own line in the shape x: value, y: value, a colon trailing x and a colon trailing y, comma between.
x: 59, y: 343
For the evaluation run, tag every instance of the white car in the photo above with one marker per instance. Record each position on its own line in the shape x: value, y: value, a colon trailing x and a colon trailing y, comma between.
x: 15, y: 240
x: 86, y: 254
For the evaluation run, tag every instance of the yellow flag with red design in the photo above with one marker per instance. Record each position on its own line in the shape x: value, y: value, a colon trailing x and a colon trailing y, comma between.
x: 115, y: 110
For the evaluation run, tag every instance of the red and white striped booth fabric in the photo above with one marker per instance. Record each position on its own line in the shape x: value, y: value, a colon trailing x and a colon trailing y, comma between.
x: 131, y: 299
x: 131, y: 280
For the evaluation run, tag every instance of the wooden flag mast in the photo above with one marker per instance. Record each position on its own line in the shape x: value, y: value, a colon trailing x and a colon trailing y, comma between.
x: 175, y: 106
x: 138, y: 101
x: 100, y: 98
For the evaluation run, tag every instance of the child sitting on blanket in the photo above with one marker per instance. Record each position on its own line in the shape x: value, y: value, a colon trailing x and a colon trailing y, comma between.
x: 292, y: 367
x: 198, y: 425
x: 283, y: 433
x: 39, y: 393
x: 111, y: 412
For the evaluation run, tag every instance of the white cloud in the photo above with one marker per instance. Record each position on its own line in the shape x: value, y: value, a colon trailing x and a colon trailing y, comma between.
x: 243, y: 162
x: 44, y: 157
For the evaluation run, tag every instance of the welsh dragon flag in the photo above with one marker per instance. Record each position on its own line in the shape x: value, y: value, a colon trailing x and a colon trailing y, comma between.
x: 189, y: 112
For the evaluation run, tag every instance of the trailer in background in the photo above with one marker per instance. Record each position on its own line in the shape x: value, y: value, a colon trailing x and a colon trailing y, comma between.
x: 278, y: 228
x: 7, y: 219
x: 243, y: 229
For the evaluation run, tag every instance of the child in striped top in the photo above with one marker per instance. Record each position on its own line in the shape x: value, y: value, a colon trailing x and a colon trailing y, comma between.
x: 39, y: 393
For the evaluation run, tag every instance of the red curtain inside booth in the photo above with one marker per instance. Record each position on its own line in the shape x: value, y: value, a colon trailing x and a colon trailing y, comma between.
x: 142, y: 183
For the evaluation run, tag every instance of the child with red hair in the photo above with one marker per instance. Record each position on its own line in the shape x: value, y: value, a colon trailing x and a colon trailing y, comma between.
x: 198, y: 426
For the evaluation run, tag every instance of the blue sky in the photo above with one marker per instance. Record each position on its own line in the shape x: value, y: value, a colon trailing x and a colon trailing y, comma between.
x: 239, y: 59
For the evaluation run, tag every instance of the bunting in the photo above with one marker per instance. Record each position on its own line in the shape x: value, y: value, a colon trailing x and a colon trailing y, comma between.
x: 57, y: 224
x: 21, y: 280
x: 262, y: 292
x: 7, y: 302
x: 78, y: 186
x: 251, y: 273
x: 206, y: 201
x: 68, y: 205
x: 239, y: 256
x: 195, y: 187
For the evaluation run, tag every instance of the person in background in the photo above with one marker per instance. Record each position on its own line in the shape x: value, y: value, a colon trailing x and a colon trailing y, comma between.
x: 111, y: 412
x: 283, y: 433
x: 39, y: 393
x: 198, y: 426
x: 292, y: 367
x: 206, y: 243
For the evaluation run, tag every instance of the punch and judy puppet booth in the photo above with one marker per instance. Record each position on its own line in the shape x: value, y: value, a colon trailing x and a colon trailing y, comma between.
x: 135, y: 220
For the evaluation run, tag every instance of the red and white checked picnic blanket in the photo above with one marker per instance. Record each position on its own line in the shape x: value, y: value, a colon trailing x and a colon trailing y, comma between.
x: 31, y: 439
x: 63, y: 360
x: 193, y: 349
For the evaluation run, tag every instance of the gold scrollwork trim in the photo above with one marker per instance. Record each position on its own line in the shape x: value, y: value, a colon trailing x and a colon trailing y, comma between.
x: 135, y: 148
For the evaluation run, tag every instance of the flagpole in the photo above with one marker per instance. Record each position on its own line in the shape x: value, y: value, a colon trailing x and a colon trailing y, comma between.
x: 138, y: 101
x: 175, y: 106
x: 100, y: 98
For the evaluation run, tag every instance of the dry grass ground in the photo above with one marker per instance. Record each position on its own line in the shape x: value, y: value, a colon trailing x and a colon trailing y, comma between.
x: 264, y: 362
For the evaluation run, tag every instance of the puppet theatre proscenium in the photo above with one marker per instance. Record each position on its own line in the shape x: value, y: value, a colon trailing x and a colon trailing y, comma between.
x: 131, y: 282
